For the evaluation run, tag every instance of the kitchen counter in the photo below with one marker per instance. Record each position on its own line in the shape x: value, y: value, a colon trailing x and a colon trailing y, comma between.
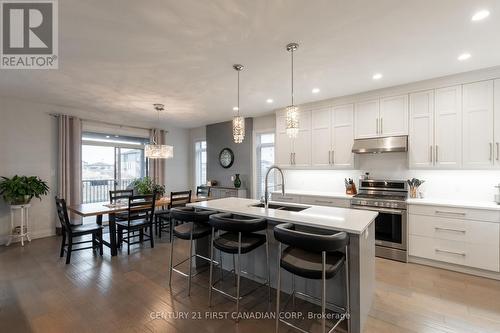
x: 488, y: 205
x: 336, y: 195
x: 358, y: 224
x: 339, y: 219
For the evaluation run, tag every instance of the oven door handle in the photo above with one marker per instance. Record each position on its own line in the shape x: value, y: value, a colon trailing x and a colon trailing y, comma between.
x: 380, y: 210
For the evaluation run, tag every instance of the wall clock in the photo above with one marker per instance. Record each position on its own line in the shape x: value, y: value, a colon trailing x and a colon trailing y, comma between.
x: 226, y: 158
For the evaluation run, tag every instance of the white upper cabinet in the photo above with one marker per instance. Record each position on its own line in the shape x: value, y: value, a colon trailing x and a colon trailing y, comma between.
x: 393, y: 119
x: 421, y: 134
x: 342, y: 136
x: 448, y: 128
x: 321, y: 128
x: 284, y: 147
x: 497, y: 122
x: 386, y: 116
x: 366, y: 119
x: 301, y: 155
x: 478, y: 142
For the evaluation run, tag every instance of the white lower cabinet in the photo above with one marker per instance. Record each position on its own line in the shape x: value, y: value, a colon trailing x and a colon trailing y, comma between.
x: 451, y: 235
x: 285, y: 198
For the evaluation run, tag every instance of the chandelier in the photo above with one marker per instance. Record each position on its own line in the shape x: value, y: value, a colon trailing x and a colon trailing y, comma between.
x: 155, y: 150
x: 292, y: 112
x: 238, y: 121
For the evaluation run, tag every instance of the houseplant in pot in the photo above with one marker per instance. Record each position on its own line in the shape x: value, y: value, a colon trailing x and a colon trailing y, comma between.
x: 19, y: 190
x: 146, y: 185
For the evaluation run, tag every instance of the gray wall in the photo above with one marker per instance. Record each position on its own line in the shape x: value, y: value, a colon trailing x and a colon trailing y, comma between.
x: 220, y: 136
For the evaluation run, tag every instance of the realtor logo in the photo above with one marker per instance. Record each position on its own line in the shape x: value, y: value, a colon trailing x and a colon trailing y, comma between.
x: 29, y: 36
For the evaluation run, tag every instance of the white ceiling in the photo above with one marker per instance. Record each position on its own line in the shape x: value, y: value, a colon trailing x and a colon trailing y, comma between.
x: 118, y: 57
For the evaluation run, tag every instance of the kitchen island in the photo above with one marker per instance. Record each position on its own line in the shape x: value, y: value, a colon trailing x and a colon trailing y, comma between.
x: 359, y: 225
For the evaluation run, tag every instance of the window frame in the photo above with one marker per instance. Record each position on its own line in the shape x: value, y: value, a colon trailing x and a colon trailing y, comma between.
x: 257, y: 151
x: 198, y: 164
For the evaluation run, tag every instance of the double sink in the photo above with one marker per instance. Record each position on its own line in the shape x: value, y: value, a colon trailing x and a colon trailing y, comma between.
x: 282, y: 207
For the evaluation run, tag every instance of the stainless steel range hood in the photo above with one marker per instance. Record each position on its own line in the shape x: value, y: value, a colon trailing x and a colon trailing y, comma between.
x: 380, y: 145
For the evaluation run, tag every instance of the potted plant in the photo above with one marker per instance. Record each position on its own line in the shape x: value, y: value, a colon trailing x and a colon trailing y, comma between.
x: 147, y: 185
x: 19, y: 190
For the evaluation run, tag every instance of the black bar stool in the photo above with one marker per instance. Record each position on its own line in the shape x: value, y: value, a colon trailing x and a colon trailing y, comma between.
x: 312, y: 256
x: 195, y: 226
x: 240, y: 237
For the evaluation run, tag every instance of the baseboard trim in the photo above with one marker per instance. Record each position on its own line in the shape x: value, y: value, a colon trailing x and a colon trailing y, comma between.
x: 35, y: 235
x: 455, y: 268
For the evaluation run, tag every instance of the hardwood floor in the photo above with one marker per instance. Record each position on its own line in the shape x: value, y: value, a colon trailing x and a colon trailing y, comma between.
x: 39, y: 293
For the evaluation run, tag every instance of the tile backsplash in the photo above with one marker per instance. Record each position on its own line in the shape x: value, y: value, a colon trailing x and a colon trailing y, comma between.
x: 469, y: 185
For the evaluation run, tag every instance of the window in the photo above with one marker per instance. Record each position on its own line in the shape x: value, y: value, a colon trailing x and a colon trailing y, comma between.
x: 201, y: 162
x: 110, y: 162
x: 265, y: 159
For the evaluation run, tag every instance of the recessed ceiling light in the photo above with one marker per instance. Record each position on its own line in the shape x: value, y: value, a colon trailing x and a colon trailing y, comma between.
x: 480, y: 15
x: 315, y: 90
x: 269, y: 100
x: 464, y: 56
x: 377, y: 76
x: 235, y: 108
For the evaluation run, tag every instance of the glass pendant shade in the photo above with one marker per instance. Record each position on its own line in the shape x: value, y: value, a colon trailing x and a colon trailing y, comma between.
x: 292, y: 121
x: 238, y: 129
x: 158, y: 151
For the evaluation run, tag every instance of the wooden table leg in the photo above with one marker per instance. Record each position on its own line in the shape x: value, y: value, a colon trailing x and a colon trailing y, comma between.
x: 112, y: 235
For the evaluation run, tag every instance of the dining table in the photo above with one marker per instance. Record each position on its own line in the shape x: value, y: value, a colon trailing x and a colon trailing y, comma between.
x: 98, y: 209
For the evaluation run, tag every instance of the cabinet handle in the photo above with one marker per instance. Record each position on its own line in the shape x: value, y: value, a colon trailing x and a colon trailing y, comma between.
x: 381, y: 125
x: 448, y: 229
x: 451, y: 252
x: 333, y: 156
x: 376, y: 125
x: 437, y: 154
x: 450, y: 213
x: 498, y: 151
x: 430, y: 157
x: 491, y: 151
x: 291, y: 159
x: 329, y: 157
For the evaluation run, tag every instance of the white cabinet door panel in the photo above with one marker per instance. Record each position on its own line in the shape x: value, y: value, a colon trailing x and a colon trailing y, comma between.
x: 421, y: 133
x: 448, y: 128
x: 283, y: 143
x: 321, y: 131
x: 393, y: 116
x: 302, y: 144
x: 478, y: 145
x: 343, y: 136
x: 366, y: 116
x: 496, y: 117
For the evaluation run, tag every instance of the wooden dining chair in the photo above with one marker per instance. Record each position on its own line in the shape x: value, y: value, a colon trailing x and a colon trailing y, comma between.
x: 70, y: 231
x: 163, y: 221
x: 203, y: 191
x: 116, y: 195
x: 140, y: 214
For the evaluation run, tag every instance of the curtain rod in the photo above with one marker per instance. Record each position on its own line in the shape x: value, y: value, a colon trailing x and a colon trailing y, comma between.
x: 104, y: 122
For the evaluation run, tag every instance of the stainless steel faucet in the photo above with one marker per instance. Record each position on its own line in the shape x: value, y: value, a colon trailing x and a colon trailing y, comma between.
x: 266, y: 191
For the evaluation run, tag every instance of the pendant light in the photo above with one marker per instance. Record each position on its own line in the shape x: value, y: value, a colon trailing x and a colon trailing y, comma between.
x: 238, y: 121
x: 155, y: 150
x: 292, y: 113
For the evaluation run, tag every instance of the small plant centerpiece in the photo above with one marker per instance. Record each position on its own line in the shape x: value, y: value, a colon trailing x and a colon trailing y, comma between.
x: 19, y: 190
x: 147, y: 185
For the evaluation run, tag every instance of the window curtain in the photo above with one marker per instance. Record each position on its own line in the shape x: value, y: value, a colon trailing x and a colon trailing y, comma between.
x: 70, y: 159
x: 157, y: 165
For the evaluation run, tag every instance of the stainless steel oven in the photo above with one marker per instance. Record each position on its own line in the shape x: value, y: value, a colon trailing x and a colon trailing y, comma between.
x: 388, y: 198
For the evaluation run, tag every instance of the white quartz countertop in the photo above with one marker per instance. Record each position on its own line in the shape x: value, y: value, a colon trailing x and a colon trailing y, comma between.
x: 490, y: 205
x: 339, y: 219
x: 337, y: 195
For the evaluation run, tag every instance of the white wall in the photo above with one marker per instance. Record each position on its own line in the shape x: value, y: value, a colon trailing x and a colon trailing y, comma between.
x: 28, y: 146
